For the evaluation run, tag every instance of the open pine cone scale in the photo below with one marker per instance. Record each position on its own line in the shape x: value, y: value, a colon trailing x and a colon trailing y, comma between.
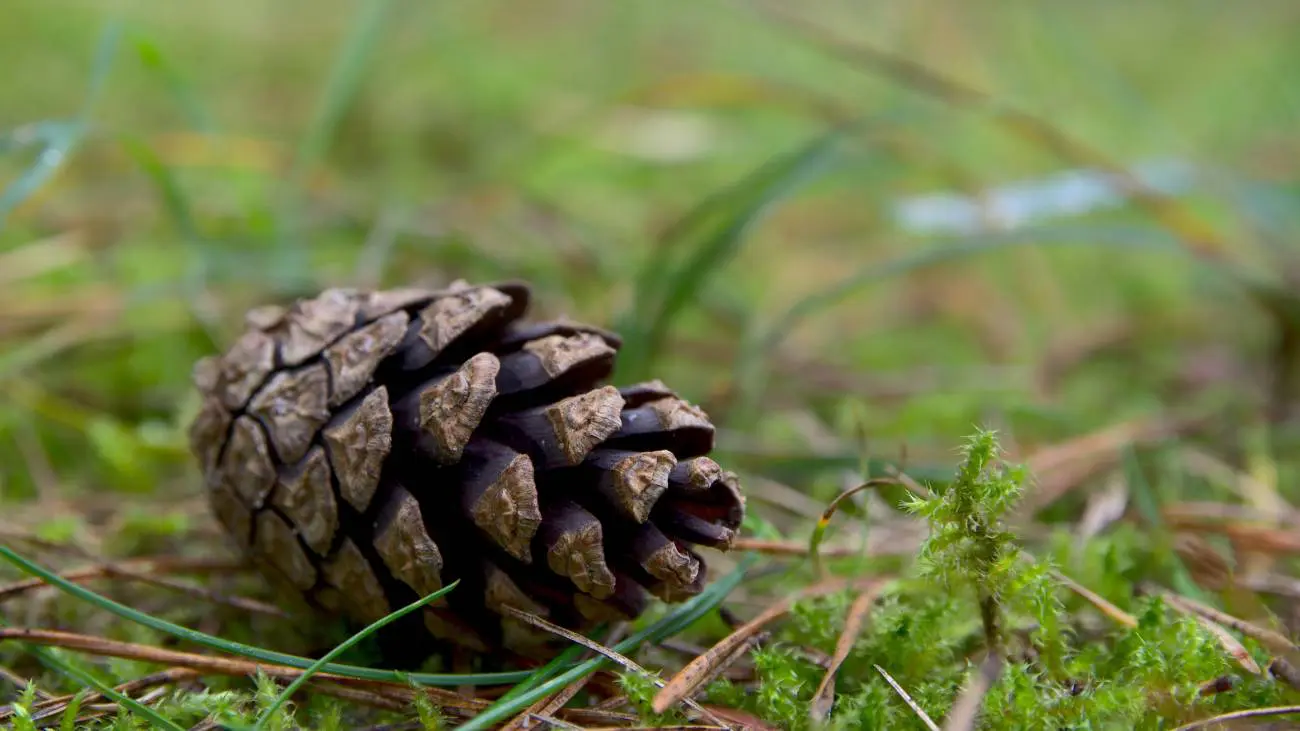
x: 367, y: 448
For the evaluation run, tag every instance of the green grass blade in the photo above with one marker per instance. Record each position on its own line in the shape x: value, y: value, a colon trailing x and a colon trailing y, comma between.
x: 61, y: 145
x: 546, y: 672
x: 343, y: 647
x: 343, y: 83
x: 681, y: 617
x: 56, y: 663
x: 242, y: 650
x: 51, y: 158
x: 173, y: 198
x: 178, y: 87
x: 1124, y: 237
x: 69, y: 720
x: 712, y: 236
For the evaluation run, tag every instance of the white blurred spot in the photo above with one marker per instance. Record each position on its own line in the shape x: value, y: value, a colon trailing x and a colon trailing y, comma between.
x: 656, y: 135
x: 1068, y: 193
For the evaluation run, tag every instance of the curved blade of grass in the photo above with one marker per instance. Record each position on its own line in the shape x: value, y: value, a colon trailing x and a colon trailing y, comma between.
x: 343, y: 83
x: 343, y: 647
x: 257, y: 653
x: 56, y: 663
x: 715, y: 231
x: 64, y: 139
x: 1124, y: 237
x: 681, y: 617
x: 152, y: 57
x: 169, y: 190
x: 194, y: 281
x: 750, y: 374
x: 545, y: 672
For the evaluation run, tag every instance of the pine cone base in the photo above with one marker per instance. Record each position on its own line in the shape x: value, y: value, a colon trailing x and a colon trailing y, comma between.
x: 365, y: 449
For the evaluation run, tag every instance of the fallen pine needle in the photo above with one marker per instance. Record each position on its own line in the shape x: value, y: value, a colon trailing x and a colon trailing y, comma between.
x: 550, y: 706
x: 1274, y: 641
x: 614, y: 655
x: 698, y: 670
x: 1106, y: 608
x: 210, y: 664
x: 824, y: 698
x: 130, y: 569
x: 790, y: 548
x: 920, y: 712
x: 1238, y: 715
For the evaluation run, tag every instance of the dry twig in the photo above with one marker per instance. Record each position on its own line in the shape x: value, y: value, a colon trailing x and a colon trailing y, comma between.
x: 698, y: 670
x: 824, y: 698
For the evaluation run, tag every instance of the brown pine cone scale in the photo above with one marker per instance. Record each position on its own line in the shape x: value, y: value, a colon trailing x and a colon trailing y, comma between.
x: 365, y: 449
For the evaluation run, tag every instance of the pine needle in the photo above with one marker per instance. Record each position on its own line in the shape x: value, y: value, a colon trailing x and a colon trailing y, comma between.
x: 824, y: 697
x: 920, y: 712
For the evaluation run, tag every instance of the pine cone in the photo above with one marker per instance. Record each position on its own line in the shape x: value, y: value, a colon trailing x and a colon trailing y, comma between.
x: 367, y: 448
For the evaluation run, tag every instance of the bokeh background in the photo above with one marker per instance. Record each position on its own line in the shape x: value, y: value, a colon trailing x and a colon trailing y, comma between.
x: 845, y: 229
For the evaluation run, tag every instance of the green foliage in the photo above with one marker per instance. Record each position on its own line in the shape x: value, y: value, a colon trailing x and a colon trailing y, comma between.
x: 925, y: 628
x: 429, y: 715
x: 217, y: 165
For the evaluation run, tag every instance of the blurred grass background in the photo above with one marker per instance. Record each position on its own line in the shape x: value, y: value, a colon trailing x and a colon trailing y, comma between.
x: 716, y: 182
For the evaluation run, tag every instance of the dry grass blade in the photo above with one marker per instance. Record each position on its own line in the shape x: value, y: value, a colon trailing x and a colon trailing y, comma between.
x: 1274, y: 641
x: 551, y: 706
x: 130, y: 569
x: 1232, y: 646
x: 742, y: 720
x: 1104, y: 508
x: 965, y: 712
x: 54, y: 706
x: 1240, y: 715
x: 657, y: 728
x: 547, y: 706
x: 791, y: 548
x: 727, y: 662
x: 198, y: 592
x: 1104, y: 606
x: 698, y: 670
x: 19, y: 681
x: 1060, y: 468
x: 365, y: 696
x: 824, y: 698
x: 920, y: 712
x: 1285, y: 671
x: 614, y: 655
x: 208, y: 664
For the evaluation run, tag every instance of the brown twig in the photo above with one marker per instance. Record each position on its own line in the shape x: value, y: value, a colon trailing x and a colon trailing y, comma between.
x: 1106, y: 608
x: 53, y: 706
x: 1239, y: 715
x: 1062, y: 467
x: 210, y: 664
x: 132, y: 569
x: 1274, y: 641
x: 551, y: 705
x: 199, y: 592
x: 1230, y: 644
x: 791, y: 548
x: 20, y: 682
x: 696, y: 671
x: 594, y: 646
x: 824, y: 697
